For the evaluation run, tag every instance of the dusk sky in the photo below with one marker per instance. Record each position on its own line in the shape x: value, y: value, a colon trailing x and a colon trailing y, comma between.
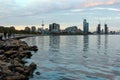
x: 22, y: 13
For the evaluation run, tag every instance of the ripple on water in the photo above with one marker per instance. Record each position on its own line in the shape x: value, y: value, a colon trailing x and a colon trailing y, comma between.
x: 90, y: 57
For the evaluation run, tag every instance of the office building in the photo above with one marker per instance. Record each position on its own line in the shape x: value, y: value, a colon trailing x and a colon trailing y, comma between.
x: 99, y: 29
x: 71, y: 30
x: 54, y: 28
x: 33, y: 29
x: 85, y: 27
x: 106, y: 29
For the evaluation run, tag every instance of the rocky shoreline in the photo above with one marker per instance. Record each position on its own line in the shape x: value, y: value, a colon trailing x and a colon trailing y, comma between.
x: 12, y: 65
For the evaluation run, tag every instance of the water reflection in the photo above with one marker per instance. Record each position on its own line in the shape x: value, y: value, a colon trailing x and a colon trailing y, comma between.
x: 105, y: 44
x: 85, y: 43
x: 54, y: 43
x: 71, y: 39
x: 99, y: 42
x: 85, y: 49
x: 67, y: 56
x: 33, y: 40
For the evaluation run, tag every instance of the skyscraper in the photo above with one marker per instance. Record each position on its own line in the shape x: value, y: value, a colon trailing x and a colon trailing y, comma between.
x: 54, y: 28
x: 99, y: 29
x: 33, y: 28
x: 106, y: 29
x: 85, y: 27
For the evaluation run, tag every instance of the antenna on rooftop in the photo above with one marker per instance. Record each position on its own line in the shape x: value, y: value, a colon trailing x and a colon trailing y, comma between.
x: 42, y: 24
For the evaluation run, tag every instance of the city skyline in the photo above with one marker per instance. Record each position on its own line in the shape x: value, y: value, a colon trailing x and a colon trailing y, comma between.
x: 67, y: 13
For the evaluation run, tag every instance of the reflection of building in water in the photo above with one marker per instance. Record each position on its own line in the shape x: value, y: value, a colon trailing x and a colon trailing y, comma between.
x: 98, y: 43
x: 33, y: 40
x: 71, y: 40
x: 54, y: 45
x: 85, y: 50
x: 54, y: 42
x: 85, y: 43
x: 105, y: 44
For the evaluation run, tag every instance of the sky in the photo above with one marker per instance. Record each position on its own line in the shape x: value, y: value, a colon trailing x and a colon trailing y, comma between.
x: 22, y: 13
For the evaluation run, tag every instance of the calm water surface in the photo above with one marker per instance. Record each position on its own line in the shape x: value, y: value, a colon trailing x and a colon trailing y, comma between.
x: 93, y: 57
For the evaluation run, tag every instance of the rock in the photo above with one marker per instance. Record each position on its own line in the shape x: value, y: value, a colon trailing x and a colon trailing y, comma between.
x: 37, y: 73
x: 20, y: 61
x: 10, y: 52
x: 20, y: 49
x: 33, y: 48
x: 11, y: 47
x: 32, y: 67
x: 20, y: 70
x: 12, y: 64
x: 17, y: 63
x: 17, y: 76
x: 25, y: 54
x: 1, y: 52
x: 28, y: 54
x: 12, y: 68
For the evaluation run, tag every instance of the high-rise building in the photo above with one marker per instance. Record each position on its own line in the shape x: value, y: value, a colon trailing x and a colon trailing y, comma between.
x: 33, y: 29
x: 106, y: 29
x: 42, y: 24
x: 99, y: 29
x: 71, y: 30
x: 54, y: 28
x: 85, y: 27
x: 27, y: 29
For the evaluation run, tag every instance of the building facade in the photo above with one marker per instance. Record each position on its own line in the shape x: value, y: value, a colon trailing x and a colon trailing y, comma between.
x: 71, y: 30
x: 85, y: 27
x: 99, y: 29
x: 33, y: 29
x: 106, y: 29
x: 54, y: 28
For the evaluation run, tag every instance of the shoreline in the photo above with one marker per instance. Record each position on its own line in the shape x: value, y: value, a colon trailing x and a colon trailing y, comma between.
x: 12, y: 65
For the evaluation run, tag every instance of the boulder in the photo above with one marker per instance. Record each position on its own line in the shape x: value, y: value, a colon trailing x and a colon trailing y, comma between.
x: 37, y: 73
x: 17, y: 76
x: 1, y: 52
x: 10, y: 52
x: 20, y: 70
x: 31, y: 69
x: 17, y: 63
x: 25, y: 54
x: 33, y: 66
x: 33, y: 48
x: 12, y: 64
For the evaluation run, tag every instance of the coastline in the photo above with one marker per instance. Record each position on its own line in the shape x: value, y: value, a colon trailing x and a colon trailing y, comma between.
x: 12, y: 65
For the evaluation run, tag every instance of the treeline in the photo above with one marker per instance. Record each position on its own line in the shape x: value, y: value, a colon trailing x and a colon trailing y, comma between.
x: 14, y: 31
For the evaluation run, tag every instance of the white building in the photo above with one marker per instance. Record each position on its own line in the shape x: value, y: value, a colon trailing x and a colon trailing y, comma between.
x: 54, y: 28
x: 72, y: 30
x: 85, y: 26
x: 33, y: 29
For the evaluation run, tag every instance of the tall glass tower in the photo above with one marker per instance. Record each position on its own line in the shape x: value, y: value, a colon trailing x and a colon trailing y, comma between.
x: 99, y: 29
x: 106, y: 29
x: 85, y: 27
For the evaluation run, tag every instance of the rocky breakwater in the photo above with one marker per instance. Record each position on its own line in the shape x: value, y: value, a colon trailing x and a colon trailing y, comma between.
x: 12, y: 64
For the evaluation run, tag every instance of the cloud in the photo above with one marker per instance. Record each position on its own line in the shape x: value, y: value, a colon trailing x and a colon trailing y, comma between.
x: 31, y: 11
x: 77, y: 10
x: 37, y: 7
x: 102, y: 8
x: 100, y: 3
